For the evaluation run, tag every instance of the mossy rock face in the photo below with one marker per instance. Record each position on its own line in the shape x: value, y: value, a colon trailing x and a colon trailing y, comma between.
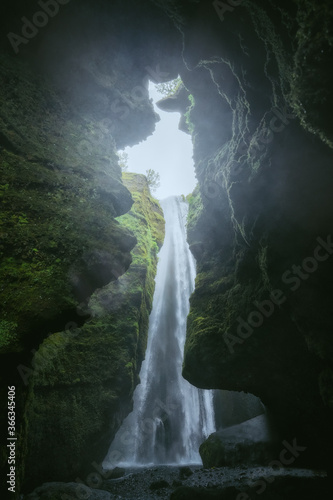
x: 252, y: 442
x: 73, y: 95
x: 263, y: 200
x: 215, y: 452
x: 83, y: 380
x: 313, y: 73
x: 59, y: 238
x: 260, y: 80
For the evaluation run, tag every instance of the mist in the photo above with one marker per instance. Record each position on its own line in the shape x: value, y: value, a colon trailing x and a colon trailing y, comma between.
x: 168, y: 151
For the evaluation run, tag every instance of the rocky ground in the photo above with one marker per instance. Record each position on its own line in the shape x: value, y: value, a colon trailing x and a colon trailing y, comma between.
x: 195, y: 482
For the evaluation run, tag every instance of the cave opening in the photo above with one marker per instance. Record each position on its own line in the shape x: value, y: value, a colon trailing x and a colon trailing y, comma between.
x: 168, y: 152
x: 261, y: 80
x: 160, y: 430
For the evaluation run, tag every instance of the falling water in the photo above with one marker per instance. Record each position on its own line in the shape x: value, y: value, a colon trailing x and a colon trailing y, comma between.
x: 171, y: 417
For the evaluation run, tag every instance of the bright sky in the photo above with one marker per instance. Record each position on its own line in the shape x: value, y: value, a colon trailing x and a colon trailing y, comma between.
x: 168, y: 151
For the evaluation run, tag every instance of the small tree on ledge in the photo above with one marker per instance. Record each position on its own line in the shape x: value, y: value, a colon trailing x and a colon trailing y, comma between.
x: 123, y: 160
x: 153, y: 179
x: 168, y: 89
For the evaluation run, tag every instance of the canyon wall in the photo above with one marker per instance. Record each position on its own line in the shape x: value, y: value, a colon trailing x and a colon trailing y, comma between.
x: 260, y: 222
x: 77, y: 275
x: 83, y: 381
x: 258, y: 78
x: 257, y: 100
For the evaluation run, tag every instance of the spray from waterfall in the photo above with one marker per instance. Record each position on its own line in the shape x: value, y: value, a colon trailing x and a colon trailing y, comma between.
x: 171, y: 418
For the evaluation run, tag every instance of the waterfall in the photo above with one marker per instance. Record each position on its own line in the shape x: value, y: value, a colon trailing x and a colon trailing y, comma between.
x: 170, y: 417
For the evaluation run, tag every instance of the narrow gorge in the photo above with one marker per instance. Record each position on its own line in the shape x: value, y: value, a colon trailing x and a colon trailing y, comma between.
x: 217, y: 304
x: 171, y: 418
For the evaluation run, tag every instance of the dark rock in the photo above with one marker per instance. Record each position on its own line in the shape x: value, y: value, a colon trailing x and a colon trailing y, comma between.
x: 52, y: 491
x: 100, y: 376
x: 257, y: 215
x: 279, y: 488
x: 248, y: 443
x: 158, y: 485
x: 232, y: 408
x: 176, y: 483
x: 115, y: 473
x: 260, y: 77
x: 189, y: 493
x: 185, y: 472
x: 178, y: 101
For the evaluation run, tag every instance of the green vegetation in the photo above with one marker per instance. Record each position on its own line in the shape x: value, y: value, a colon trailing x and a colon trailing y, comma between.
x: 145, y: 208
x: 60, y: 192
x: 187, y: 115
x: 123, y: 160
x: 84, y: 379
x: 57, y: 206
x: 153, y: 179
x: 8, y: 336
x: 195, y: 207
x: 168, y: 89
x: 51, y: 224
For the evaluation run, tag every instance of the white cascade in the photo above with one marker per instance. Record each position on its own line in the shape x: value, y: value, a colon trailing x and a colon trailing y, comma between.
x: 170, y: 417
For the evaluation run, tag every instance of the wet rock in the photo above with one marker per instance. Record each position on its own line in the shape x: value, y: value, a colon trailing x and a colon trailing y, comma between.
x: 187, y: 493
x: 116, y: 473
x: 176, y: 483
x: 185, y: 472
x: 158, y: 485
x: 50, y: 491
x: 249, y: 443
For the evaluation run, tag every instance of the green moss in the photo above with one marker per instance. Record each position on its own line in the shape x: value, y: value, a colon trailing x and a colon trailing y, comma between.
x: 212, y: 452
x: 187, y: 115
x: 57, y: 206
x: 145, y: 207
x: 195, y: 208
x: 169, y: 89
x: 83, y: 380
x: 8, y: 336
x: 60, y: 192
